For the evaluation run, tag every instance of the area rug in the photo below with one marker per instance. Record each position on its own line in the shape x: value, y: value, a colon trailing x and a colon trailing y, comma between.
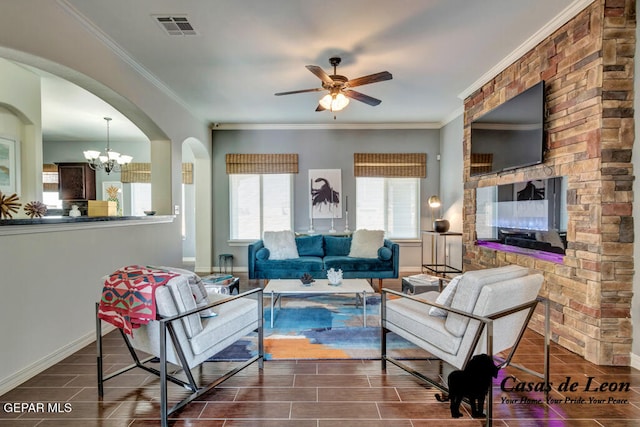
x: 322, y: 327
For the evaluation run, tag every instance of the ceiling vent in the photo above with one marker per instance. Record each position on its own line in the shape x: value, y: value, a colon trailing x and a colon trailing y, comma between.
x: 175, y: 25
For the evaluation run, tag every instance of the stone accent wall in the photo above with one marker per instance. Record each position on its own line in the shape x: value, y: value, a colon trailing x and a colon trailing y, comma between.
x: 587, y: 66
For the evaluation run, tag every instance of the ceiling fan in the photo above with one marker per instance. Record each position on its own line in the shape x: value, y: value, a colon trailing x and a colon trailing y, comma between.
x: 339, y: 87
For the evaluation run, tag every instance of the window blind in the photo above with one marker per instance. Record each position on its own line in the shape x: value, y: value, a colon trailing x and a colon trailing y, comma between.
x: 261, y: 163
x: 141, y: 173
x: 390, y: 165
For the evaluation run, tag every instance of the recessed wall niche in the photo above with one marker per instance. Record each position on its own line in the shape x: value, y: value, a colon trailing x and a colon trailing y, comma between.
x: 531, y: 215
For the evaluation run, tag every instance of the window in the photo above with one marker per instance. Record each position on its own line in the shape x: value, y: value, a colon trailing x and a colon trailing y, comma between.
x: 389, y: 204
x: 259, y: 202
x: 50, y: 196
x: 140, y: 198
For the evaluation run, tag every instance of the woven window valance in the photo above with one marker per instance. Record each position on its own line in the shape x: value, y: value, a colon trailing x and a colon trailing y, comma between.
x: 50, y: 177
x: 141, y: 173
x: 262, y: 163
x: 390, y: 165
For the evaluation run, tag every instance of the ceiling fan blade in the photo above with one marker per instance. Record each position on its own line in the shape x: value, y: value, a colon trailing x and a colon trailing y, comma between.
x: 320, y: 108
x: 371, y: 78
x: 318, y: 89
x: 319, y: 72
x: 362, y: 97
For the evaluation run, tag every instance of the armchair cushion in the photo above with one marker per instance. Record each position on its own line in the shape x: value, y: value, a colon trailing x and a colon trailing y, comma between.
x: 415, y: 320
x: 445, y: 298
x: 232, y: 316
x: 469, y: 288
x: 184, y: 301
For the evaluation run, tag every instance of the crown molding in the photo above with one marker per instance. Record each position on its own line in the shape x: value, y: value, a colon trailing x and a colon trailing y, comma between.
x: 122, y: 54
x: 562, y: 18
x: 322, y: 126
x: 452, y: 116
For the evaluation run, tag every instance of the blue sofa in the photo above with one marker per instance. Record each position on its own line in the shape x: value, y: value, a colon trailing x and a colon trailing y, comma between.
x: 319, y: 253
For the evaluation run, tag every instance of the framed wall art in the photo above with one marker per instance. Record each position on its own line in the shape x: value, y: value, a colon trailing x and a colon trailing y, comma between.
x: 112, y: 191
x: 325, y: 193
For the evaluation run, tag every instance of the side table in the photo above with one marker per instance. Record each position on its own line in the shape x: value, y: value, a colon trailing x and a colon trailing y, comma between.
x: 226, y: 286
x: 436, y: 267
x: 411, y: 287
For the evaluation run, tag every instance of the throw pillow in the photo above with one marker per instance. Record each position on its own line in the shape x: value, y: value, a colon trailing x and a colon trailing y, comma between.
x: 200, y: 296
x: 445, y: 298
x: 310, y: 245
x: 281, y: 244
x: 365, y: 243
x: 197, y: 288
x: 384, y: 253
x: 262, y: 254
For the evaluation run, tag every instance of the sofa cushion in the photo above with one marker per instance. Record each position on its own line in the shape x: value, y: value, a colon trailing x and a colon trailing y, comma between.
x: 365, y: 243
x: 310, y: 245
x: 445, y: 298
x: 469, y: 288
x: 337, y: 246
x: 281, y: 244
x: 299, y: 265
x: 350, y: 264
x: 384, y: 253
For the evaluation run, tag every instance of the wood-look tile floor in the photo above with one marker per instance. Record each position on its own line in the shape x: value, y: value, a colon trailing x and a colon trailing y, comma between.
x: 353, y: 393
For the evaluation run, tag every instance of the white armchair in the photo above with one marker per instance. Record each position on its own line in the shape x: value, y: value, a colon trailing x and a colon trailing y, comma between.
x: 181, y: 337
x: 487, y: 312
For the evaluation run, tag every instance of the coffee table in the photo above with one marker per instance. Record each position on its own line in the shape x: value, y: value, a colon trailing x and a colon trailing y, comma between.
x: 280, y: 287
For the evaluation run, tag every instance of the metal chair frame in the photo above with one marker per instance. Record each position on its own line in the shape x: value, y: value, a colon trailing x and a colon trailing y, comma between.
x: 166, y: 326
x: 485, y: 323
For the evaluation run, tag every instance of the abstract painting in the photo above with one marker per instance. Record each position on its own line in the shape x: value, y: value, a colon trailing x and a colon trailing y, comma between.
x: 325, y: 193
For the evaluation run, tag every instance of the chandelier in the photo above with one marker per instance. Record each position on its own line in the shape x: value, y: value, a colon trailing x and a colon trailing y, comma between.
x: 111, y: 161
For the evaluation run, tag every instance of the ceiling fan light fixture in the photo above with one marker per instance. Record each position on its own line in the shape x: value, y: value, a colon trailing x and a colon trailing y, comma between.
x: 334, y: 102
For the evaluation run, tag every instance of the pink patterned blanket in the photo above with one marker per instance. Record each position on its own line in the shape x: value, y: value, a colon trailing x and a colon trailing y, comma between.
x: 128, y: 296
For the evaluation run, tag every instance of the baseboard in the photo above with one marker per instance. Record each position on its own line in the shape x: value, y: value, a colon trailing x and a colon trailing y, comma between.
x: 635, y: 360
x: 25, y: 374
x: 215, y: 269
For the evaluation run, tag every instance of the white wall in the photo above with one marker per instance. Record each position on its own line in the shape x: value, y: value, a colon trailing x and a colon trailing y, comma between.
x: 452, y: 184
x: 49, y: 281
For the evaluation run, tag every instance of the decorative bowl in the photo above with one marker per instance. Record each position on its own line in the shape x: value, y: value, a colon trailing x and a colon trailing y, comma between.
x: 149, y: 213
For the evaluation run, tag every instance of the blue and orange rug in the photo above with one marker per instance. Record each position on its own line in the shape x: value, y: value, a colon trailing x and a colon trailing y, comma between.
x: 322, y: 327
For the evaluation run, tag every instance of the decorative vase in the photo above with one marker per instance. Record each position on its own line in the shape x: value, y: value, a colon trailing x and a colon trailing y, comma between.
x: 441, y: 225
x: 74, y: 212
x: 334, y: 277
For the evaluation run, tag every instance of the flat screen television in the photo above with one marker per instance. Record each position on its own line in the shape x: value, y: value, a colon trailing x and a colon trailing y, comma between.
x: 511, y: 135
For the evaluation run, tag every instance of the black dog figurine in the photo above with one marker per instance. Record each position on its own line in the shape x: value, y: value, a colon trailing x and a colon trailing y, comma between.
x: 472, y: 383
